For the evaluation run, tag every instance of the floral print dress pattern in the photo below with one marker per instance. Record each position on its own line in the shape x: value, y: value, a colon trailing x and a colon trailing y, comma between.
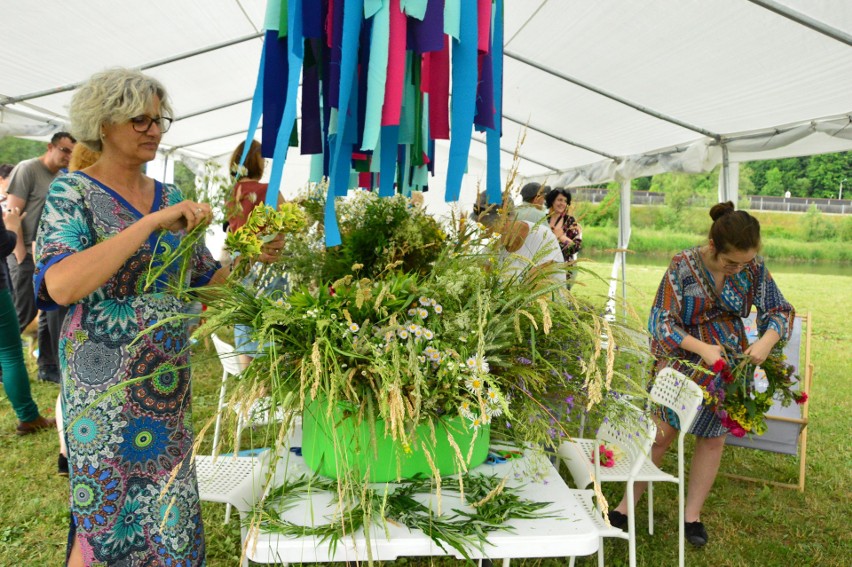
x: 687, y: 304
x: 125, y: 386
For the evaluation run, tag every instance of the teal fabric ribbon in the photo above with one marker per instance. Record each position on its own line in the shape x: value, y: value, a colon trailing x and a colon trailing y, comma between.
x: 463, y: 106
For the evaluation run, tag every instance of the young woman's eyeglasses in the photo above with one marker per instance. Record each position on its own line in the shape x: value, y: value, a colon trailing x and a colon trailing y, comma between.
x: 142, y: 123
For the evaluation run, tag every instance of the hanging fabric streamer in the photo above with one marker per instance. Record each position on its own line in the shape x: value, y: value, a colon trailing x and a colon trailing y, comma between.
x: 256, y: 107
x: 295, y: 53
x: 493, y: 134
x: 464, y: 60
x: 375, y: 77
x: 341, y: 152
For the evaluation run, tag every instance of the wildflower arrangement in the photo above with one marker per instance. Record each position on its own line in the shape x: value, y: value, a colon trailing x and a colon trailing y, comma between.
x: 457, y: 336
x: 738, y: 403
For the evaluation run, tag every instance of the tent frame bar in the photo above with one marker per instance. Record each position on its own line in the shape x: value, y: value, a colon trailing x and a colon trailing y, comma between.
x: 560, y: 138
x: 804, y: 20
x: 158, y: 63
x: 520, y: 155
x: 611, y: 96
x: 211, y: 109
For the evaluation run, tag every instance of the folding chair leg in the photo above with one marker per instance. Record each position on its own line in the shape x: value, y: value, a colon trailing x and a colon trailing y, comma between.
x: 681, y: 502
x: 650, y: 508
x: 631, y: 525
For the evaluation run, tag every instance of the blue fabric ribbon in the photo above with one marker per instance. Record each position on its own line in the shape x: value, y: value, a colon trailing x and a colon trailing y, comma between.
x: 295, y: 54
x: 341, y: 152
x: 493, y: 186
x: 256, y: 106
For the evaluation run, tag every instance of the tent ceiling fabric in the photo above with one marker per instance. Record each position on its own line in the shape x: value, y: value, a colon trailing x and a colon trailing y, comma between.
x: 730, y: 68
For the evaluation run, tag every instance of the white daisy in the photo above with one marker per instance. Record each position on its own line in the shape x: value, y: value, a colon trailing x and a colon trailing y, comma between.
x: 354, y: 328
x: 473, y: 384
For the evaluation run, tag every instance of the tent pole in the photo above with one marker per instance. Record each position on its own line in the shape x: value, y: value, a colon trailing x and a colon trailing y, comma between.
x: 734, y: 182
x: 723, y: 176
x: 624, y: 241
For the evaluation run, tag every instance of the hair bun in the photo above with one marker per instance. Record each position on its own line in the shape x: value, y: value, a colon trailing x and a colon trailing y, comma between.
x: 721, y: 209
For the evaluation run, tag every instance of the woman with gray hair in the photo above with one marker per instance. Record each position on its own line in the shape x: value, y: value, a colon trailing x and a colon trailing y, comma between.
x: 124, y: 356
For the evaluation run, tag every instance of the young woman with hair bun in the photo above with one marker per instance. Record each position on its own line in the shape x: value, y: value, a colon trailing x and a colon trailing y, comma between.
x: 697, y: 317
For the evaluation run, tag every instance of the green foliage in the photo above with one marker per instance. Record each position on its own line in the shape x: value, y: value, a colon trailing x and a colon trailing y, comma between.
x: 815, y: 227
x: 377, y: 232
x: 774, y: 183
x: 811, y: 176
x: 16, y: 150
x: 845, y: 229
x: 602, y: 214
x: 185, y: 179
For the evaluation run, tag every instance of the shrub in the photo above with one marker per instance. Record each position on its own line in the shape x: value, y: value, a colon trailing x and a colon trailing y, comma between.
x: 816, y: 227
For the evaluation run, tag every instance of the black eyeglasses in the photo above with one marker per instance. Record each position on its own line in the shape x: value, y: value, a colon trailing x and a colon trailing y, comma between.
x: 142, y: 123
x: 66, y: 151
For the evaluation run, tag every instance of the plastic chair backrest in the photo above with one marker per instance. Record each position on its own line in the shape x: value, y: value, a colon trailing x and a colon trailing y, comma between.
x: 227, y: 356
x: 634, y: 433
x: 677, y: 392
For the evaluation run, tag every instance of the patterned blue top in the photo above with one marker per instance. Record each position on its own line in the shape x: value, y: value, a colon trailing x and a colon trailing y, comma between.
x: 134, y: 496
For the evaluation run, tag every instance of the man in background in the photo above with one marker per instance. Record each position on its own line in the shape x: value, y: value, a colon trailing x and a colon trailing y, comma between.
x: 27, y: 190
x: 532, y: 208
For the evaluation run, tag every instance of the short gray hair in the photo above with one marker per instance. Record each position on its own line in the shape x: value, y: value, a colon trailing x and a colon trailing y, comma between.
x: 113, y: 97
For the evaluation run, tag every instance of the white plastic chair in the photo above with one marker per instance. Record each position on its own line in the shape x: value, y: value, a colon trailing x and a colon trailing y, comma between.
x: 230, y: 367
x: 234, y: 481
x: 634, y: 436
x: 256, y: 415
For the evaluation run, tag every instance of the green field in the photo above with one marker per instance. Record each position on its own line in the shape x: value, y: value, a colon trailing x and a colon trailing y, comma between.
x: 750, y: 524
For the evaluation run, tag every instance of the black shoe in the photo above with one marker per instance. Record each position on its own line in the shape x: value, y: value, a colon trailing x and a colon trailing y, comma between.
x: 49, y: 374
x: 695, y: 533
x: 62, y: 465
x: 617, y: 519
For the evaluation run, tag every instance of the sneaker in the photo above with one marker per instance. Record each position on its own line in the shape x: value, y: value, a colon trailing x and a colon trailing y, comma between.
x: 62, y: 465
x: 617, y: 519
x: 38, y: 424
x: 695, y: 533
x: 49, y: 374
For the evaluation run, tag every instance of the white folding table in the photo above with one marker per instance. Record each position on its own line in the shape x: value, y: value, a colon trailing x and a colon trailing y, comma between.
x: 571, y: 527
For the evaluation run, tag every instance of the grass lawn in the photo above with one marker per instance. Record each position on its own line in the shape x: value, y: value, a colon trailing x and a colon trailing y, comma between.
x: 750, y: 524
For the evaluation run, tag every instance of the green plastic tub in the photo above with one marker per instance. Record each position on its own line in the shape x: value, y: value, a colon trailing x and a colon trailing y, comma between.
x: 337, y: 446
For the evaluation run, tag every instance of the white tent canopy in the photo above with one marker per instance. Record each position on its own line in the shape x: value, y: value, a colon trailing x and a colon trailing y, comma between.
x: 597, y: 90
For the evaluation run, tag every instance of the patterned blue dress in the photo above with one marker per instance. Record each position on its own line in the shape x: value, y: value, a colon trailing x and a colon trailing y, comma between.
x: 125, y: 388
x: 687, y: 304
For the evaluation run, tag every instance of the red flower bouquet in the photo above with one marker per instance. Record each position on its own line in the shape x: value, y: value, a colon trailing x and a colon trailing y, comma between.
x: 738, y: 403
